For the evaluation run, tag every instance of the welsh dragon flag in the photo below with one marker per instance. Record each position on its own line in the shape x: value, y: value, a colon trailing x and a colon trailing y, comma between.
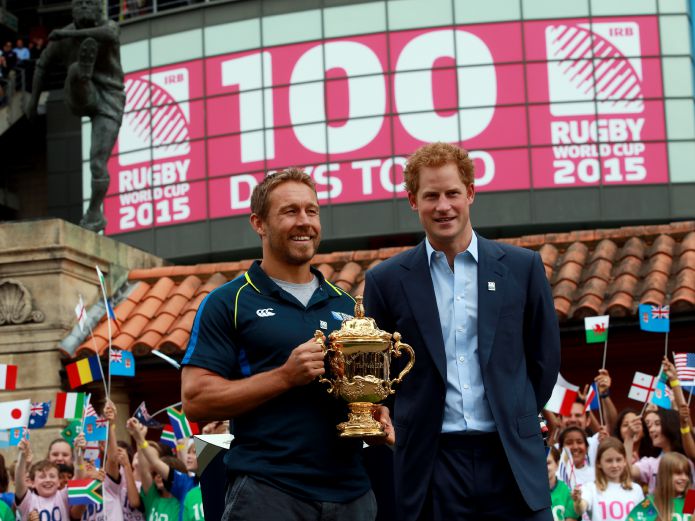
x: 596, y: 329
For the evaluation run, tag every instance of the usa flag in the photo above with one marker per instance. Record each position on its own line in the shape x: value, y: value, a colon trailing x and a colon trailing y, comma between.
x: 685, y: 366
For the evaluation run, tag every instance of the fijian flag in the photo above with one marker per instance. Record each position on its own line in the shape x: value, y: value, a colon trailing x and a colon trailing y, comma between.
x: 654, y: 318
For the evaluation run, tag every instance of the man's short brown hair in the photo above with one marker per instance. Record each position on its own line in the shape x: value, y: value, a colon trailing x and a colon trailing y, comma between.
x: 435, y: 155
x: 261, y: 193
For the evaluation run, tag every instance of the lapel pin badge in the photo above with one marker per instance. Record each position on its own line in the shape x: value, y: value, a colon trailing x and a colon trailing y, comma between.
x: 324, y: 324
x: 491, y: 286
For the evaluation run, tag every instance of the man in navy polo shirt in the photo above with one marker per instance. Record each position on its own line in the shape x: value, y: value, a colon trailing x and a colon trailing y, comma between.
x: 252, y: 358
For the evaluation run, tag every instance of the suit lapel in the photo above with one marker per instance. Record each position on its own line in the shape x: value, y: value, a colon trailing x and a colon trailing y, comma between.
x: 419, y: 291
x: 491, y: 289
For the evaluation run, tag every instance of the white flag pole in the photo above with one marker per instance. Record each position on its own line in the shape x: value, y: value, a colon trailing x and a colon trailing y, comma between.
x: 666, y: 346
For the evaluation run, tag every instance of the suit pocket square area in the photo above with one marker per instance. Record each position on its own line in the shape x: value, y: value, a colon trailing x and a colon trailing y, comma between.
x: 528, y: 425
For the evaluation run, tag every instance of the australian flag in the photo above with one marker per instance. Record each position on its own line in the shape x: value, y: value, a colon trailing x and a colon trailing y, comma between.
x: 38, y: 414
x: 654, y: 318
x: 145, y: 418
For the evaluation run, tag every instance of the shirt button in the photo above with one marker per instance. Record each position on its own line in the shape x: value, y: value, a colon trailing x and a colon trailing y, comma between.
x: 459, y: 329
x: 462, y: 359
x: 459, y: 297
x: 466, y: 386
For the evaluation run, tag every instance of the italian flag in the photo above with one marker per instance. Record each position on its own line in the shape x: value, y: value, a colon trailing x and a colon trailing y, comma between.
x: 8, y: 377
x: 70, y: 405
x: 596, y: 329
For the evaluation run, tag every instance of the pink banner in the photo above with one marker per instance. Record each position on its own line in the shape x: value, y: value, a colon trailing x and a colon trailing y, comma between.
x: 586, y: 109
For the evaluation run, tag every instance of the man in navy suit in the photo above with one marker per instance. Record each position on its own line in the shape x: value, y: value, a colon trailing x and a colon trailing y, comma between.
x: 480, y: 317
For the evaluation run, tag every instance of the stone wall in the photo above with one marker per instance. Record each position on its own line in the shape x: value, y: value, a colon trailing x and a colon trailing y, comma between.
x: 44, y: 267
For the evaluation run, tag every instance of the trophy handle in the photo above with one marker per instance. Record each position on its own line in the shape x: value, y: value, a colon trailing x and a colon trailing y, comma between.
x: 396, y: 351
x: 320, y: 339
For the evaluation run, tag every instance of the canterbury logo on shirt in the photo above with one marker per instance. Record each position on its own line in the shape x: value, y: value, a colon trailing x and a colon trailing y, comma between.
x: 267, y: 312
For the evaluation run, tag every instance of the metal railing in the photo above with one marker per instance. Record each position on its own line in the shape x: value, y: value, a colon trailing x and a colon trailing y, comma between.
x: 129, y: 9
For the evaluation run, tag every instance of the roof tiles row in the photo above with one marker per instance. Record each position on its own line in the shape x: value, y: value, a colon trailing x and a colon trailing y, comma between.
x: 592, y: 272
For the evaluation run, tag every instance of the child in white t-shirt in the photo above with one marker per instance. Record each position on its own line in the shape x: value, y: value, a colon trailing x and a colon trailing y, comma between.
x: 46, y: 497
x: 612, y: 495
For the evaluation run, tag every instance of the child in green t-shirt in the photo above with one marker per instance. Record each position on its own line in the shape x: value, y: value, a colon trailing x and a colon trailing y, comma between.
x: 193, y: 505
x: 672, y: 482
x: 560, y: 494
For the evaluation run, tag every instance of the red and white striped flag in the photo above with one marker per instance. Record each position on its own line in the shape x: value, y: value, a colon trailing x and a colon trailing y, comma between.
x: 8, y: 377
x: 685, y: 366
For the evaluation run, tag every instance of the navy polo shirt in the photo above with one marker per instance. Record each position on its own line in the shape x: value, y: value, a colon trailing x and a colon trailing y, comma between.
x: 250, y: 325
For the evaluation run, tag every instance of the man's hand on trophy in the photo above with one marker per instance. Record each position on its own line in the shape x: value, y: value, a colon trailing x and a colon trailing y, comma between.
x: 382, y: 415
x: 304, y: 364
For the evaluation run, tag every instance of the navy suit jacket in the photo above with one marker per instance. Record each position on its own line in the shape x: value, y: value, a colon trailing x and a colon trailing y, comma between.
x: 519, y: 352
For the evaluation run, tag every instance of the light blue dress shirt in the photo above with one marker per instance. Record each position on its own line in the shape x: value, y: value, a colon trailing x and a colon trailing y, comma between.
x: 466, y: 407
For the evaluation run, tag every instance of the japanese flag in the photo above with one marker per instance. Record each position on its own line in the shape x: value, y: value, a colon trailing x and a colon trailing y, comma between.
x: 14, y: 414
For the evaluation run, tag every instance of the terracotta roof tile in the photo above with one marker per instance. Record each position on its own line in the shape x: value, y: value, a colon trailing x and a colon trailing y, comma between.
x: 591, y: 271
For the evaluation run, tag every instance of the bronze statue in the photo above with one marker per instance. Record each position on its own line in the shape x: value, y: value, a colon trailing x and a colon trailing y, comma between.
x: 90, y: 49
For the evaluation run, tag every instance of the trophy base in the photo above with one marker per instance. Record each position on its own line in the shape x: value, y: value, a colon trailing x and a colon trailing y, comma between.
x: 360, y: 422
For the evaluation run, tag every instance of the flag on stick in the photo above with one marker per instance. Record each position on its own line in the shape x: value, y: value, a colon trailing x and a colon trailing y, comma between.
x: 92, y: 451
x: 122, y: 363
x: 689, y: 506
x: 178, y: 420
x: 662, y: 392
x: 566, y: 468
x: 685, y: 367
x: 38, y: 414
x: 146, y: 418
x: 95, y: 428
x: 592, y: 400
x: 81, y: 314
x: 83, y: 371
x: 11, y: 437
x: 71, y: 431
x: 70, y: 405
x: 654, y: 318
x: 642, y: 387
x: 14, y: 414
x: 84, y: 492
x: 8, y: 377
x: 596, y: 329
x: 168, y: 437
x: 564, y: 395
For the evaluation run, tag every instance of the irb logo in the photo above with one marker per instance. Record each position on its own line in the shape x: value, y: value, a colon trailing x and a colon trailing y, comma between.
x: 599, y: 61
x: 157, y: 115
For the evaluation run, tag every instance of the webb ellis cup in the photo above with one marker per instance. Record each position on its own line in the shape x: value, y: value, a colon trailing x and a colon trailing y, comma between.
x: 359, y: 359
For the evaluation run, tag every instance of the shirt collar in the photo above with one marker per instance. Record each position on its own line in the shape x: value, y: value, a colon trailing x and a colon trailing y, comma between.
x: 260, y: 280
x: 472, y: 249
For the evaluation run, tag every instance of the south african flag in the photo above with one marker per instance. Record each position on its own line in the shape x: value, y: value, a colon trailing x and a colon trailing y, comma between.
x: 84, y: 492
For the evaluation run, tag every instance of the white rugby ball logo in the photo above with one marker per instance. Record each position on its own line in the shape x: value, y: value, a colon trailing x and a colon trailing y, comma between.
x: 612, y: 79
x: 154, y: 118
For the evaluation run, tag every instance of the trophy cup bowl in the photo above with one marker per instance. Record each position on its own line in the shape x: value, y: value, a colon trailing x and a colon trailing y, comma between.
x: 359, y: 362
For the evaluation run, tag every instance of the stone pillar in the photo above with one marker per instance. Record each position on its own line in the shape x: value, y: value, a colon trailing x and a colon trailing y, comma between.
x: 44, y: 267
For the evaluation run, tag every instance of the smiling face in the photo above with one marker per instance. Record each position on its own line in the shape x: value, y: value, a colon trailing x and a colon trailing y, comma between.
x: 443, y: 204
x: 46, y: 481
x: 574, y: 441
x: 60, y: 452
x: 291, y: 231
x: 653, y: 422
x: 681, y: 481
x: 576, y: 418
x: 612, y: 464
x: 191, y: 460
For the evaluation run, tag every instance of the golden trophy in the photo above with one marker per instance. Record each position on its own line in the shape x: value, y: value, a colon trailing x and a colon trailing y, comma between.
x: 359, y: 360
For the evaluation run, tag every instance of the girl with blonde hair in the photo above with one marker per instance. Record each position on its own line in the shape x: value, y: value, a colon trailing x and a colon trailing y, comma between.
x: 612, y: 495
x: 672, y: 483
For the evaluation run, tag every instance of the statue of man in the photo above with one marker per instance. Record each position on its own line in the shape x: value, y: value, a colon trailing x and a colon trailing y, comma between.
x: 89, y: 48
